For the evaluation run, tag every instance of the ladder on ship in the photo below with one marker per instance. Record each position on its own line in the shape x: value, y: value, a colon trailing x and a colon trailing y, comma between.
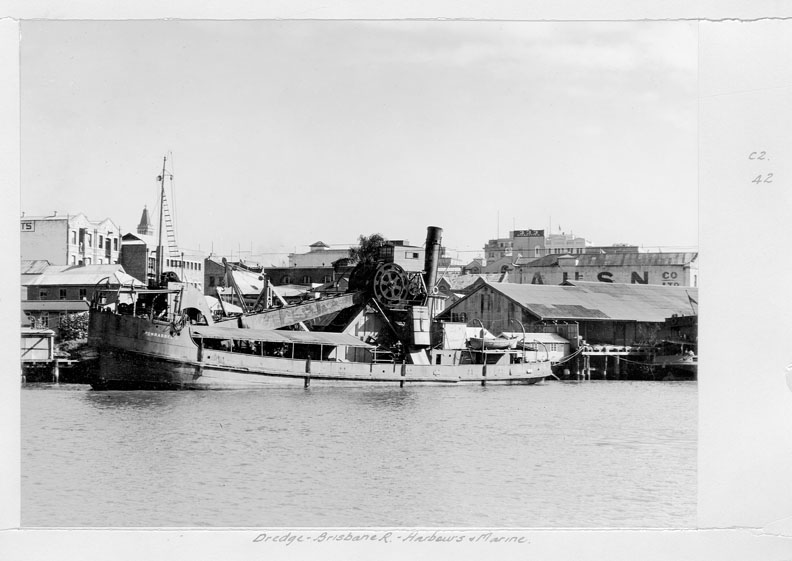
x: 166, y: 223
x: 170, y: 231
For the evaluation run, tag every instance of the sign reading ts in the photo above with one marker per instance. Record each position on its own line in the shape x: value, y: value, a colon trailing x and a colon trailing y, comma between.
x: 28, y: 226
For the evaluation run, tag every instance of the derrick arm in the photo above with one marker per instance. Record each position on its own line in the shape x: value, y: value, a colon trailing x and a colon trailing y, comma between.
x: 291, y: 315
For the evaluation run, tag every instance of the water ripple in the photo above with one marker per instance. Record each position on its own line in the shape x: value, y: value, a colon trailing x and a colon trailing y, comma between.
x: 592, y: 454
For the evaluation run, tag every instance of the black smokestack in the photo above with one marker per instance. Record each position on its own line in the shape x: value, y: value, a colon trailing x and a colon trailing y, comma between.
x: 432, y: 255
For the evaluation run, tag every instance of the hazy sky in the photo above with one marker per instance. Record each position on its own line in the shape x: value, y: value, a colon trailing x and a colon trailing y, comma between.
x: 284, y: 133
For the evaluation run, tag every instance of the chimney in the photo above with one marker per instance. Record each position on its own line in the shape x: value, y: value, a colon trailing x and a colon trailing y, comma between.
x: 432, y: 255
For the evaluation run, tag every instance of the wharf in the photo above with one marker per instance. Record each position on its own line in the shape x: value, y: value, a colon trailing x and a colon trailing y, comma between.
x: 611, y: 362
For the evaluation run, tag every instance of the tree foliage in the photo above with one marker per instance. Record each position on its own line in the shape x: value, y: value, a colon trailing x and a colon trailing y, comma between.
x: 367, y: 249
x: 73, y: 326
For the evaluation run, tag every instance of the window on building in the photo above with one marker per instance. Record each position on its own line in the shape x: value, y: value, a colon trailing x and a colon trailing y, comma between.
x: 115, y: 244
x: 327, y: 278
x: 89, y: 239
x: 286, y: 280
x: 73, y: 259
x: 83, y: 293
x: 87, y: 260
x: 306, y: 279
x: 211, y: 281
x: 74, y: 237
x: 62, y: 293
x: 101, y: 240
x: 43, y: 293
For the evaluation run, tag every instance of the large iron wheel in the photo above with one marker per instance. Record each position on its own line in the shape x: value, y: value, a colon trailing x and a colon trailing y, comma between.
x: 390, y: 284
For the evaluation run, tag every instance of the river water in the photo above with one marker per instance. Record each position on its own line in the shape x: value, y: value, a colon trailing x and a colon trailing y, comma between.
x: 591, y: 454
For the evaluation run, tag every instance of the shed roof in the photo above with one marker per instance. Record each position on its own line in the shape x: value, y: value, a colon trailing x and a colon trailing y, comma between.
x: 460, y: 282
x: 33, y: 266
x: 600, y: 300
x: 632, y: 259
x: 82, y: 275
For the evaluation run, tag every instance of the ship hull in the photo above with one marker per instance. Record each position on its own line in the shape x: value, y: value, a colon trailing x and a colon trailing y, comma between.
x: 138, y: 353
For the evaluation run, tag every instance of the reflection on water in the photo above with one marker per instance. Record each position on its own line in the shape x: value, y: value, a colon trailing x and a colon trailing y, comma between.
x: 133, y: 400
x: 385, y: 398
x: 599, y: 454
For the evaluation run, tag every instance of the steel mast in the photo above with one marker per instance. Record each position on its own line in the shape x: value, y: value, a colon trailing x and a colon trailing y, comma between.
x: 158, y: 268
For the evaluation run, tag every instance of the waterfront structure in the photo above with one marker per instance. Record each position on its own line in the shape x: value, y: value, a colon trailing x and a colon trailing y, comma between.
x: 668, y: 269
x: 69, y: 239
x: 600, y: 313
x: 57, y: 290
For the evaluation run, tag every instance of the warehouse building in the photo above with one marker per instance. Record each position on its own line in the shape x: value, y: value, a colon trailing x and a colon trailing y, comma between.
x: 595, y: 312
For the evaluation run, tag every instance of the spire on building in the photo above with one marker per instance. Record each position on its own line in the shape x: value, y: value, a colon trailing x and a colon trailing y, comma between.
x: 145, y: 227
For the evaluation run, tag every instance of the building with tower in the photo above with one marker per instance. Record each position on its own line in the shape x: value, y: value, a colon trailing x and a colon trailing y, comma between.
x: 139, y: 255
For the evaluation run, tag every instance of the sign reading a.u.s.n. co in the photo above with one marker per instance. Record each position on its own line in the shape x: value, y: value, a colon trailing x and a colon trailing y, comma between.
x: 28, y: 226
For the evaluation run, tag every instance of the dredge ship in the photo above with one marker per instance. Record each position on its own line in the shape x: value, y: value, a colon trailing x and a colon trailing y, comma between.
x: 381, y: 331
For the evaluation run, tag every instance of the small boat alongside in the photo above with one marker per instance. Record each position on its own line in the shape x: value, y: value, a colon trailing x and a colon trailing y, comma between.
x: 676, y: 359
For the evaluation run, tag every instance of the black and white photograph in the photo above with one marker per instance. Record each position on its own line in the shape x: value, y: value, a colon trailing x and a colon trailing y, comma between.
x: 360, y: 276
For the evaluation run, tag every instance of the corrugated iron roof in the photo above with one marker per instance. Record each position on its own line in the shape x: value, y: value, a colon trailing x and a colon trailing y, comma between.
x: 33, y: 266
x: 82, y: 275
x: 600, y: 300
x: 460, y: 282
x: 614, y: 259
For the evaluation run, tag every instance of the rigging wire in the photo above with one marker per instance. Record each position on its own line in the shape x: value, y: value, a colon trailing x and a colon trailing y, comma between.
x: 172, y: 176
